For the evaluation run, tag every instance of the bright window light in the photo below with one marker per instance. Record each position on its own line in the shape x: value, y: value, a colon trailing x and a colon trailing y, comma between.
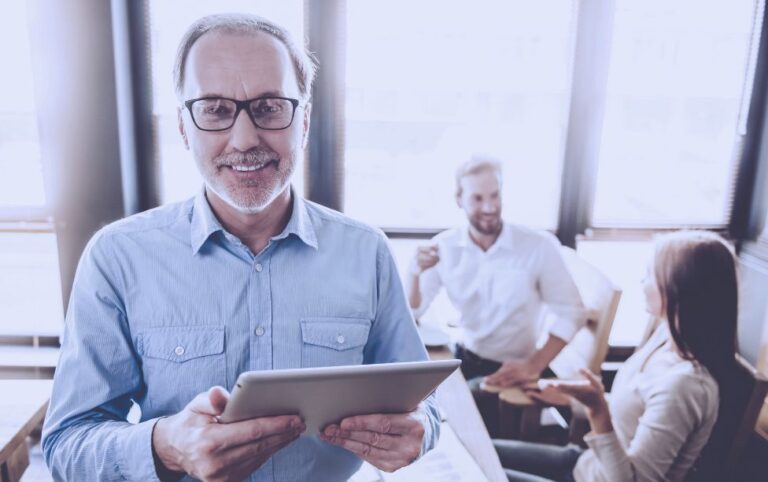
x: 678, y: 91
x: 427, y: 88
x: 21, y: 177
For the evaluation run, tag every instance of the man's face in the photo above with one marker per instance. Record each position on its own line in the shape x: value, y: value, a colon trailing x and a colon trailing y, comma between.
x: 481, y: 201
x: 244, y: 166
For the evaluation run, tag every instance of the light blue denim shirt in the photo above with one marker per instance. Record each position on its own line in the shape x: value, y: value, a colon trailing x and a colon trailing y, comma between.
x: 166, y: 304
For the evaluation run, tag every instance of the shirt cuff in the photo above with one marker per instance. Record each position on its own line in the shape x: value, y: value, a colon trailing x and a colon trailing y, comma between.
x: 564, y: 328
x: 431, y: 427
x: 606, y: 446
x: 135, y: 460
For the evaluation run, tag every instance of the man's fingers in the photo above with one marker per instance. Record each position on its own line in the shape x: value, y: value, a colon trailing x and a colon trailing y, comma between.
x: 243, y: 461
x: 363, y: 450
x: 376, y: 439
x: 394, y: 424
x: 264, y: 447
x: 239, y: 433
x: 531, y: 385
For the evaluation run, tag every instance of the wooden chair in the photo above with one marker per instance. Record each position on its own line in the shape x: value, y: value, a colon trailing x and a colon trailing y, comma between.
x: 519, y: 415
x: 740, y: 403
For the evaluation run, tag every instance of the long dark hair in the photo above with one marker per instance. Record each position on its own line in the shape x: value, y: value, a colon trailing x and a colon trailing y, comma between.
x: 696, y: 275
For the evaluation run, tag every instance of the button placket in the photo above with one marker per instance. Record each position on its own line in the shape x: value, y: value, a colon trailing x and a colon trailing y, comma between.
x: 260, y: 310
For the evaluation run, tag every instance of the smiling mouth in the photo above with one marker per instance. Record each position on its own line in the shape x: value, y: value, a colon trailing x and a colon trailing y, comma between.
x: 250, y: 167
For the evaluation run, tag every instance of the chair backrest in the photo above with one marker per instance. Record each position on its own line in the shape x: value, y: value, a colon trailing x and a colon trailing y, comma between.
x: 741, y: 399
x: 601, y: 298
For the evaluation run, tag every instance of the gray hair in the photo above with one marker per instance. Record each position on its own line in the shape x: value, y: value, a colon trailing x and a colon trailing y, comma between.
x: 304, y: 62
x: 476, y: 165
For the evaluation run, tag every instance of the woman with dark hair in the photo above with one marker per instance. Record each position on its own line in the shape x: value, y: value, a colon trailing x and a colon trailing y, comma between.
x: 665, y: 397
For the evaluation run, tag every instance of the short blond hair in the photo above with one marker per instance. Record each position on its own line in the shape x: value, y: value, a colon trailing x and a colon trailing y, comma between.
x: 476, y: 165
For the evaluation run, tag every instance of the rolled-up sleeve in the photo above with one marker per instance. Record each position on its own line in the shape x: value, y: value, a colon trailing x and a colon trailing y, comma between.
x: 86, y: 435
x: 393, y: 336
x: 566, y: 311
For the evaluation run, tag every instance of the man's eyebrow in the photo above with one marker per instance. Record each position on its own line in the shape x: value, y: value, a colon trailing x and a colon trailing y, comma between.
x: 269, y: 93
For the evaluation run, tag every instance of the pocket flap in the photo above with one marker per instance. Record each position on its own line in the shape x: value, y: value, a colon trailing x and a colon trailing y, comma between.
x: 337, y: 333
x: 181, y: 343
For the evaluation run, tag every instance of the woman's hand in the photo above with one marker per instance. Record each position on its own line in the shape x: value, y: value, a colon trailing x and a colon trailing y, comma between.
x: 590, y: 393
x: 546, y: 394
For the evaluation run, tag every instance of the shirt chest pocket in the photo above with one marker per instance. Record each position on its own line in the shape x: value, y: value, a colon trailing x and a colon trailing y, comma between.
x: 333, y: 341
x: 180, y: 362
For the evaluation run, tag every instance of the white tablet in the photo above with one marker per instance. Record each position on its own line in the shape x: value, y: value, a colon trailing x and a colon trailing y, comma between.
x: 328, y: 394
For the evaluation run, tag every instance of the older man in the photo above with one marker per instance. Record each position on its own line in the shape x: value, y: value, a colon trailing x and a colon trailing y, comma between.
x: 499, y: 276
x: 245, y: 276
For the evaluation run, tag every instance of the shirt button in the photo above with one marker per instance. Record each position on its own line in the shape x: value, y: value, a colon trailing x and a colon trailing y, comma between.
x: 340, y: 339
x: 258, y: 267
x: 259, y: 331
x: 179, y: 350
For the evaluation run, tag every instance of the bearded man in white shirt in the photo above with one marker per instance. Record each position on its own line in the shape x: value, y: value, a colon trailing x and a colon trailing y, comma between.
x: 499, y: 276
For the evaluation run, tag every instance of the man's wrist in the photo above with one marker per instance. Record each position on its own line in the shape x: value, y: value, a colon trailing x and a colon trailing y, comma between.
x: 537, y: 364
x: 164, y: 473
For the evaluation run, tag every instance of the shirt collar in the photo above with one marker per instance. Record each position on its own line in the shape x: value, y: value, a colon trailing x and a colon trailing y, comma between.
x: 300, y: 223
x: 204, y: 223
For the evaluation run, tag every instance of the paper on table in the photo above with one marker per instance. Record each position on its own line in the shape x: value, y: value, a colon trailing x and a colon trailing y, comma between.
x: 448, y: 461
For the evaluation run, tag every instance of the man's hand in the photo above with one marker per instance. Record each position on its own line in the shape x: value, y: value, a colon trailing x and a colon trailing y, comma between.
x: 194, y: 442
x: 426, y: 257
x: 387, y: 441
x: 514, y: 372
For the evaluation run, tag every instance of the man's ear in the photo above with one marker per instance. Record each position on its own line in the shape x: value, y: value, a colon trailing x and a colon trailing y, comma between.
x: 182, y: 130
x: 307, y: 117
x: 458, y: 200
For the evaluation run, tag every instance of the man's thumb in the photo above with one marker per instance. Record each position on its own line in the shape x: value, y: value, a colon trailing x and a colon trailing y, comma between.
x: 211, y: 402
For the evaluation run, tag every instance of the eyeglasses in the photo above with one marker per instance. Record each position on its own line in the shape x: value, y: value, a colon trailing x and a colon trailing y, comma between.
x: 220, y: 113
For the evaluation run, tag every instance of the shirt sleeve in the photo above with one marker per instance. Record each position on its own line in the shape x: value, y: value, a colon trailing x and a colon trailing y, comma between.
x: 393, y: 336
x: 559, y: 292
x: 673, y: 413
x: 86, y: 435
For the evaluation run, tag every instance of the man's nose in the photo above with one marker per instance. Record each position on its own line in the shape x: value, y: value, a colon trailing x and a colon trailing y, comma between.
x: 488, y: 207
x: 243, y: 134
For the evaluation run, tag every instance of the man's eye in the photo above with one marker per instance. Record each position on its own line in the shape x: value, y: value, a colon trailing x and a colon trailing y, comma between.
x: 217, y: 109
x: 266, y: 109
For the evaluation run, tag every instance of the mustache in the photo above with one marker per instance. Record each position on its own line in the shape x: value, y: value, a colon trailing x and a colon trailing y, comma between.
x: 251, y: 156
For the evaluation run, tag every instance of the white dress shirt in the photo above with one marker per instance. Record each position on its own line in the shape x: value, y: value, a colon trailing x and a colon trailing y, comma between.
x: 500, y: 292
x: 663, y: 409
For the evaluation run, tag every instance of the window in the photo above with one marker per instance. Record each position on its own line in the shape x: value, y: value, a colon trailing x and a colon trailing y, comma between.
x: 30, y: 291
x: 427, y: 88
x: 168, y: 22
x: 678, y: 91
x: 30, y: 287
x: 625, y: 263
x: 21, y: 179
